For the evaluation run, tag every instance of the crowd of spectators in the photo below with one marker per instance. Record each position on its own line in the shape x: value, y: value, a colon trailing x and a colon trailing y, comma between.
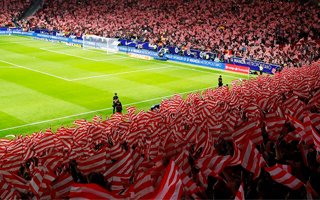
x: 275, y: 31
x: 11, y: 10
x: 206, y: 135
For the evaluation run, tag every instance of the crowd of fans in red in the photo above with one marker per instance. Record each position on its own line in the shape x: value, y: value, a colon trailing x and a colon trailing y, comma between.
x: 274, y: 31
x: 10, y: 10
x: 263, y: 133
x: 206, y: 136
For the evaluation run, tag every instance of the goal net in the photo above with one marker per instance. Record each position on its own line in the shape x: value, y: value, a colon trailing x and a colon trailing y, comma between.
x: 110, y: 45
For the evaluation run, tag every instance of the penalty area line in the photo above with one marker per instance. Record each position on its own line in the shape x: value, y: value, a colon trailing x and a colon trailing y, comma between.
x: 99, y: 110
x: 34, y: 70
x: 120, y: 73
x: 82, y: 57
x: 10, y: 135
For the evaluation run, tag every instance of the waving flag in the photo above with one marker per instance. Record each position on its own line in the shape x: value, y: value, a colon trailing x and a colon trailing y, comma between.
x: 311, y: 131
x: 274, y: 125
x: 251, y: 159
x: 171, y: 184
x: 7, y: 191
x: 215, y: 163
x: 62, y: 185
x: 123, y: 166
x: 95, y: 163
x: 279, y: 174
x: 300, y: 130
x: 14, y: 180
x: 143, y: 187
x: 240, y: 193
x: 90, y: 191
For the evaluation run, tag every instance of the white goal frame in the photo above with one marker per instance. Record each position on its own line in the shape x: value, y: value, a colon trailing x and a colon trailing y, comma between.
x: 110, y: 45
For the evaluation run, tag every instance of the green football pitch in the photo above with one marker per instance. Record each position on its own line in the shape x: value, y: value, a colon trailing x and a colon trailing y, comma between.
x: 45, y: 84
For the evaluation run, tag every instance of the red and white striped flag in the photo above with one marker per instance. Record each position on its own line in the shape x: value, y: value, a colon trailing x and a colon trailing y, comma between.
x: 311, y: 131
x: 300, y: 130
x: 251, y: 159
x: 29, y: 151
x: 240, y: 193
x: 36, y: 182
x: 315, y: 100
x: 62, y: 185
x: 95, y: 163
x: 96, y: 133
x: 287, y: 168
x: 41, y: 181
x: 294, y: 107
x: 236, y: 158
x: 7, y: 191
x: 279, y: 174
x: 292, y: 136
x: 255, y: 135
x: 143, y: 187
x: 115, y: 152
x: 119, y: 182
x: 241, y: 133
x: 171, y: 184
x: 124, y: 166
x: 65, y: 138
x: 14, y: 180
x: 90, y: 191
x: 52, y: 161
x: 274, y: 125
x: 315, y: 120
x: 48, y: 140
x: 214, y: 163
x: 182, y: 161
x: 11, y: 162
x: 189, y: 185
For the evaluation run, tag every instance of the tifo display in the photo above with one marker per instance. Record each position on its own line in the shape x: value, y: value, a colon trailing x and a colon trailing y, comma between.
x: 143, y: 99
x: 183, y: 148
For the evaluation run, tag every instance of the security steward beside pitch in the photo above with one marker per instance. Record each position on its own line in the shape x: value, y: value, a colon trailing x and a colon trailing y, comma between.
x: 261, y: 69
x: 220, y: 83
x: 114, y: 102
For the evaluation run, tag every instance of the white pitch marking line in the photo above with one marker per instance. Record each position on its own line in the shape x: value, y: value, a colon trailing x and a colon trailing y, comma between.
x: 58, y: 52
x: 86, y: 58
x: 10, y: 136
x: 99, y: 110
x: 12, y: 67
x: 18, y: 42
x: 34, y: 70
x: 120, y: 73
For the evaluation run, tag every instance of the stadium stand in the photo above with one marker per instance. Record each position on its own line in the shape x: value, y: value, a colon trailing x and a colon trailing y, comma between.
x: 11, y: 11
x: 258, y: 139
x: 274, y: 31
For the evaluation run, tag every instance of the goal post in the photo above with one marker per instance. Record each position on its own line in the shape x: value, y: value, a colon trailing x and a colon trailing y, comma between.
x: 110, y: 45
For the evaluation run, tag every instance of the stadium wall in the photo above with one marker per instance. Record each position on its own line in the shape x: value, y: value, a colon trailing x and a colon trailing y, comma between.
x: 201, y: 55
x: 183, y: 59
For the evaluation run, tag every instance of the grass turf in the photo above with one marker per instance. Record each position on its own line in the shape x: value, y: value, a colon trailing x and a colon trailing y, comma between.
x: 45, y: 84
